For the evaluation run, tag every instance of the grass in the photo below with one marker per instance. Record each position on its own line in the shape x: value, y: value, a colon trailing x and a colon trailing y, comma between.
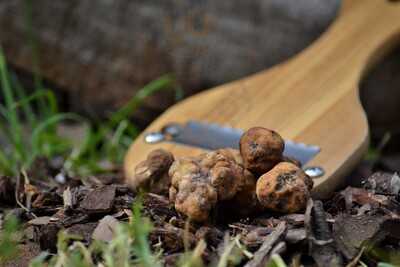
x: 130, y: 247
x: 108, y: 140
x: 18, y: 120
x: 29, y: 123
x: 9, y: 239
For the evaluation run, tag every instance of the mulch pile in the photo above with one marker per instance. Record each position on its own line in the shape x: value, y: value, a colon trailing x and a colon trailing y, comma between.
x: 356, y: 222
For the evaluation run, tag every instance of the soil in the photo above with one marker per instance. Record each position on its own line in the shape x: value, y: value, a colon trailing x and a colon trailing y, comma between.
x: 363, y: 217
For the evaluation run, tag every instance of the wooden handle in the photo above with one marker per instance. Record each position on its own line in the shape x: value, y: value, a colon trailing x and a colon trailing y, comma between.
x: 363, y: 32
x: 312, y: 98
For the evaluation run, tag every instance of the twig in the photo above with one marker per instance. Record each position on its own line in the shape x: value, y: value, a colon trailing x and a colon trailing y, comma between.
x: 16, y: 194
x: 321, y: 244
x: 262, y: 255
x: 354, y: 262
x: 279, y: 248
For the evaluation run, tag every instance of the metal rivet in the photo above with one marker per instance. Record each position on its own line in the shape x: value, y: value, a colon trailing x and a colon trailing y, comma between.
x: 153, y: 137
x: 172, y: 129
x: 314, y: 171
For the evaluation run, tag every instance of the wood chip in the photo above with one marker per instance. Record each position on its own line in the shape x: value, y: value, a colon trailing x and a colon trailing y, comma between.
x: 362, y: 196
x: 83, y: 230
x: 255, y: 237
x: 354, y: 231
x: 383, y: 183
x: 48, y: 237
x: 296, y: 235
x: 294, y: 219
x: 212, y: 235
x: 105, y: 229
x: 279, y: 248
x: 261, y: 256
x: 100, y: 200
x: 40, y: 220
x: 68, y: 199
x: 76, y: 218
x: 45, y: 199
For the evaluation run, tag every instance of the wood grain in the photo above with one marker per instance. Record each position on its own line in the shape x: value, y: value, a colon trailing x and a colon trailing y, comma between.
x: 312, y: 98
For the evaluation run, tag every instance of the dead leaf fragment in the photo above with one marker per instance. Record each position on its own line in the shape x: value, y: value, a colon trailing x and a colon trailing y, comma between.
x: 352, y: 232
x: 105, y: 230
x: 261, y: 256
x: 100, y: 200
x: 383, y: 183
x: 40, y: 220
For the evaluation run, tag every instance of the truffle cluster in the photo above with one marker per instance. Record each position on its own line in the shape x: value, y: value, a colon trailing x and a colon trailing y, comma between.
x: 255, y: 178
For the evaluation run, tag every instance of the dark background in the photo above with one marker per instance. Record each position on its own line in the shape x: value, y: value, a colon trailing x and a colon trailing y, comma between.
x: 98, y: 53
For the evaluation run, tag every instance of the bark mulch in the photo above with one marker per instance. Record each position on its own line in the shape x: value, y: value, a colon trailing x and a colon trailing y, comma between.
x: 355, y: 222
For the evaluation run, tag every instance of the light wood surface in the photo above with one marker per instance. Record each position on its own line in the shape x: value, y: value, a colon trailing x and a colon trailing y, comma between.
x: 312, y: 98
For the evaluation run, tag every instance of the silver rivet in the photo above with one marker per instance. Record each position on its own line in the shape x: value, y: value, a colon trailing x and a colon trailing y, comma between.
x: 172, y: 129
x: 153, y: 137
x: 314, y: 171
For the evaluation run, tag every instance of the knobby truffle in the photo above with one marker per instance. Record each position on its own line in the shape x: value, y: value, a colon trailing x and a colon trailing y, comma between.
x: 152, y: 174
x: 198, y: 183
x: 256, y: 178
x: 261, y: 149
x: 285, y: 188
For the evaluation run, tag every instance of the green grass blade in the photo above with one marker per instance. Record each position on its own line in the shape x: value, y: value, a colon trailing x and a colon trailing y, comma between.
x: 118, y: 133
x: 6, y: 87
x: 384, y: 264
x: 7, y: 164
x: 32, y: 43
x: 155, y: 86
x: 53, y: 144
x: 9, y: 240
x: 51, y: 101
x: 229, y: 255
x: 45, y: 94
x: 40, y: 260
x: 179, y: 93
x: 4, y: 112
x: 4, y: 124
x: 132, y: 131
x: 28, y: 112
x: 114, y: 149
x: 78, y: 153
x: 276, y: 261
x: 41, y: 127
x: 11, y: 114
x: 141, y: 228
x: 7, y: 134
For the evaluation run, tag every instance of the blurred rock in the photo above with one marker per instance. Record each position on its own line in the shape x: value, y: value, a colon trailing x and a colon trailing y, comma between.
x: 380, y: 96
x: 99, y: 53
x: 102, y: 51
